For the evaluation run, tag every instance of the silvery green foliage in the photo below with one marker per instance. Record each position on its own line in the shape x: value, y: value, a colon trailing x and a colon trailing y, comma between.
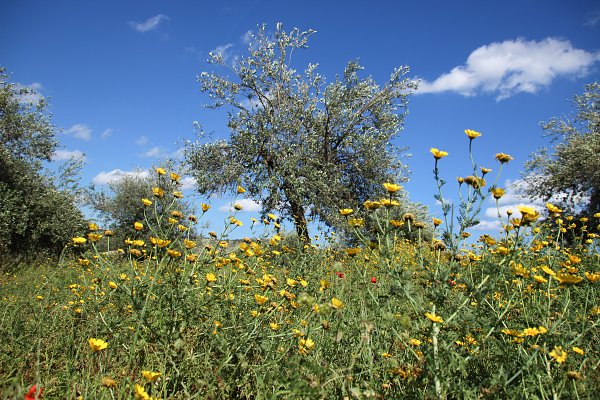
x: 298, y: 145
x: 37, y: 210
x: 570, y: 171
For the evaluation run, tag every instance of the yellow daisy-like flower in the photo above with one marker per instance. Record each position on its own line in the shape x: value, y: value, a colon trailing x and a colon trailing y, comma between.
x: 337, y: 303
x: 548, y: 270
x: 372, y: 205
x: 94, y: 237
x: 498, y: 193
x: 578, y: 350
x: 138, y: 226
x: 434, y: 318
x: 173, y: 253
x: 568, y: 278
x: 503, y: 158
x: 531, y: 331
x: 150, y: 376
x: 158, y: 192
x: 93, y: 227
x: 529, y: 213
x: 558, y: 354
x: 79, y: 240
x: 140, y: 393
x: 240, y: 190
x: 97, y: 344
x: 540, y: 279
x: 161, y: 171
x: 472, y: 134
x: 594, y: 277
x: 305, y: 346
x: 437, y: 221
x: 210, y: 277
x: 274, y: 326
x: 113, y: 285
x: 346, y: 211
x: 552, y: 208
x: 389, y: 203
x: 205, y: 207
x: 189, y: 244
x: 175, y: 177
x: 146, y: 202
x: 260, y: 299
x: 438, y: 154
x: 415, y: 342
x: 392, y: 187
x: 108, y: 382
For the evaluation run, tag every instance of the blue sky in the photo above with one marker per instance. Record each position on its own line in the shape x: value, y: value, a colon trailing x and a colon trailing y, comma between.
x: 121, y: 75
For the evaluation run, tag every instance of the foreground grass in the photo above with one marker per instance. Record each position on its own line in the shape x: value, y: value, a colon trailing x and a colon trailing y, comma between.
x: 265, y: 320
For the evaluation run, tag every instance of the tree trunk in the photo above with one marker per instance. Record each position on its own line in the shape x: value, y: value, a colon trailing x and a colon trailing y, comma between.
x: 300, y: 221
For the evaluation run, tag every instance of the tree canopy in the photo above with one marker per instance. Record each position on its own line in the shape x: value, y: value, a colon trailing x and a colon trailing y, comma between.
x: 570, y: 172
x: 37, y: 214
x: 300, y: 147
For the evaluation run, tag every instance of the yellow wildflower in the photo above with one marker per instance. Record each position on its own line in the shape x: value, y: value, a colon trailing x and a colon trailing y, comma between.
x: 260, y: 299
x: 97, y: 344
x: 79, y: 240
x: 472, y: 134
x: 559, y: 355
x: 140, y: 393
x: 336, y: 303
x: 392, y: 187
x: 138, y: 226
x: 210, y: 277
x: 150, y: 376
x: 503, y: 158
x: 434, y: 318
x: 161, y: 171
x: 438, y: 154
x: 346, y: 211
x: 158, y: 192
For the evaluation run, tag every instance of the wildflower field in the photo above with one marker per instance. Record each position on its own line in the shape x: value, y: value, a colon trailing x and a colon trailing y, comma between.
x: 169, y: 315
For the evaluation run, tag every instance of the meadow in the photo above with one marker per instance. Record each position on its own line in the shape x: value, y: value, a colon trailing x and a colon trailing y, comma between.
x: 167, y: 315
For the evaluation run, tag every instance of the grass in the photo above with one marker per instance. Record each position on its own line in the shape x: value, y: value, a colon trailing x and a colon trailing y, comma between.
x: 168, y: 316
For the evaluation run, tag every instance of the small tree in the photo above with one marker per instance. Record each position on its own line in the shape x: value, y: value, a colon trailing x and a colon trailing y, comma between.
x: 572, y: 170
x: 298, y: 146
x: 37, y: 213
x: 121, y: 206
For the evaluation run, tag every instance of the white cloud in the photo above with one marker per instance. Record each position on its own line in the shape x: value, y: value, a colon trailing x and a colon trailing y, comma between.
x: 223, y: 50
x: 246, y: 38
x: 149, y: 24
x: 153, y: 152
x: 34, y: 96
x: 248, y: 205
x: 513, y: 66
x: 62, y: 154
x: 141, y: 141
x: 106, y: 134
x: 79, y: 131
x: 514, y: 198
x: 592, y: 19
x: 486, y: 225
x: 187, y: 183
x: 104, y: 178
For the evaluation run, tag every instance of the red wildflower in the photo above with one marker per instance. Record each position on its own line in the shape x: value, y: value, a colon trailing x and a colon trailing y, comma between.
x: 373, y: 280
x: 340, y: 275
x: 33, y: 393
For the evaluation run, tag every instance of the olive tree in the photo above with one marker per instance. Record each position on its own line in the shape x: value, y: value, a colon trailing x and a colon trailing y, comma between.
x: 37, y: 212
x: 300, y: 147
x: 571, y: 170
